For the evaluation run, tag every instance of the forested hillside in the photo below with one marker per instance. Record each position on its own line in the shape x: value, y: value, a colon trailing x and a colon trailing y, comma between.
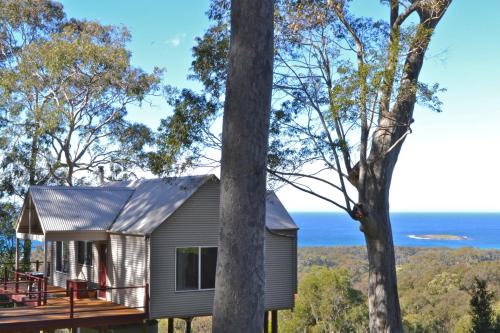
x: 433, y: 282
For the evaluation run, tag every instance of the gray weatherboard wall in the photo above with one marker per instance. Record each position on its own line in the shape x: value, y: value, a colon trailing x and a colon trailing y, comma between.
x: 126, y: 267
x: 196, y: 223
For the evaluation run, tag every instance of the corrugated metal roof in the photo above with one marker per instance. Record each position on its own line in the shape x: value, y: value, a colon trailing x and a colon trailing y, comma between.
x: 136, y: 207
x: 153, y: 201
x: 63, y: 208
x: 277, y: 217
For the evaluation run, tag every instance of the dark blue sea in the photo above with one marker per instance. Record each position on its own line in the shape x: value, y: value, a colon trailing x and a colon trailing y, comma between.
x: 481, y: 230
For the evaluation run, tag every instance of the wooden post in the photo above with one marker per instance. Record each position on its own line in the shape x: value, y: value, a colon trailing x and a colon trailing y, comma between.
x: 39, y: 286
x: 5, y: 277
x: 170, y: 328
x: 146, y: 299
x: 266, y: 322
x: 274, y: 321
x: 45, y: 256
x: 29, y: 289
x: 188, y: 324
x: 45, y: 291
x: 71, y: 303
x: 17, y: 281
x: 17, y: 255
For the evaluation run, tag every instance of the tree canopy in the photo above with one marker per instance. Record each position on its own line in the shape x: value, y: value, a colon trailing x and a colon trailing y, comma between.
x: 65, y: 89
x: 64, y: 95
x: 327, y: 302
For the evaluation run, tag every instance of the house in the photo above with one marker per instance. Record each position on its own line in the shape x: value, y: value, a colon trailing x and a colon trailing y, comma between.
x: 160, y: 233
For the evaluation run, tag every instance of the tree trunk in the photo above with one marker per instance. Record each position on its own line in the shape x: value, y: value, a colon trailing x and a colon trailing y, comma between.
x: 383, y: 301
x: 240, y: 281
x: 32, y: 181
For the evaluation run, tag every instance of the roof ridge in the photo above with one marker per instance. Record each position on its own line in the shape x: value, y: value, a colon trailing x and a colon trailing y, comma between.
x: 62, y: 187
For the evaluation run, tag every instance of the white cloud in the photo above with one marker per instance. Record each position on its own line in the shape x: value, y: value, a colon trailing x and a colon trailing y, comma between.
x: 176, y: 40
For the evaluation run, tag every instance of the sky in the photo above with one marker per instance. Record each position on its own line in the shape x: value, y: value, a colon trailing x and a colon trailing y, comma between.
x: 450, y: 163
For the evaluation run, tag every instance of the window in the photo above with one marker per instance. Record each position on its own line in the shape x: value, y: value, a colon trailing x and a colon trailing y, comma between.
x: 85, y: 253
x: 208, y: 264
x: 195, y: 268
x: 62, y: 257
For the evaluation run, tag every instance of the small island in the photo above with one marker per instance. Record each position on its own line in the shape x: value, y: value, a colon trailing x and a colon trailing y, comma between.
x: 439, y: 237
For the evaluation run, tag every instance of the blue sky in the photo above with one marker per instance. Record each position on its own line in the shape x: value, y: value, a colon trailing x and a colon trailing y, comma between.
x: 451, y: 161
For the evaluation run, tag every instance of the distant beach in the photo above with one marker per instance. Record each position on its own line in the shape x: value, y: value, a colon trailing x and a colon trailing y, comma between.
x: 481, y: 230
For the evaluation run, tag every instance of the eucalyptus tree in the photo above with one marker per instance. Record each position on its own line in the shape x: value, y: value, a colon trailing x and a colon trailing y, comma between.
x: 65, y: 89
x: 345, y: 89
x: 72, y: 91
x: 327, y: 302
x: 21, y: 22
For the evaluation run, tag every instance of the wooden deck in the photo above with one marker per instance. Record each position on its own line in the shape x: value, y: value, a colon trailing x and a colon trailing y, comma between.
x: 56, y: 314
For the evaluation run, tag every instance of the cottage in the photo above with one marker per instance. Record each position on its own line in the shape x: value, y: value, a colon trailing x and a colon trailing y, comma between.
x: 160, y: 233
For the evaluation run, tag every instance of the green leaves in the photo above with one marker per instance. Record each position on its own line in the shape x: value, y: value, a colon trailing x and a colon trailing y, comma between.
x: 327, y: 302
x: 185, y: 133
x: 481, y: 308
x: 65, y: 93
x: 210, y: 59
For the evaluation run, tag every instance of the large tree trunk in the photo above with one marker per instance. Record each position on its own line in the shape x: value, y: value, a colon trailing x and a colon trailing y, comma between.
x: 383, y: 301
x: 240, y: 282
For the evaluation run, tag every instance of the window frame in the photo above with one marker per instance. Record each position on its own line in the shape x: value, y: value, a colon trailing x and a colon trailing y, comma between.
x: 88, y: 259
x: 199, y: 268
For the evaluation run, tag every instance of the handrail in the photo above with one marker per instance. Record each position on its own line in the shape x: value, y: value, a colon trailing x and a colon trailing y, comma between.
x: 13, y: 262
x: 66, y: 291
x: 27, y: 274
x: 36, y: 262
x: 67, y: 312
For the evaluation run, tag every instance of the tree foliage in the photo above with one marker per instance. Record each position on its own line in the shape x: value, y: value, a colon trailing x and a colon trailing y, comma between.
x: 317, y: 89
x: 70, y: 93
x: 481, y: 308
x: 65, y: 89
x: 327, y: 302
x: 433, y: 283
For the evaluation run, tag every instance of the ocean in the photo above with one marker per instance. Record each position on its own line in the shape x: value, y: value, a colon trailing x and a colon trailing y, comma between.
x: 480, y: 230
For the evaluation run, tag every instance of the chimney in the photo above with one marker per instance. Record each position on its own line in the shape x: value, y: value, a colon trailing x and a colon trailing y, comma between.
x: 101, y: 174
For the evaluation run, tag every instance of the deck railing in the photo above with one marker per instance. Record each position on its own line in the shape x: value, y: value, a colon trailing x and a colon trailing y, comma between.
x: 28, y: 279
x: 69, y: 295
